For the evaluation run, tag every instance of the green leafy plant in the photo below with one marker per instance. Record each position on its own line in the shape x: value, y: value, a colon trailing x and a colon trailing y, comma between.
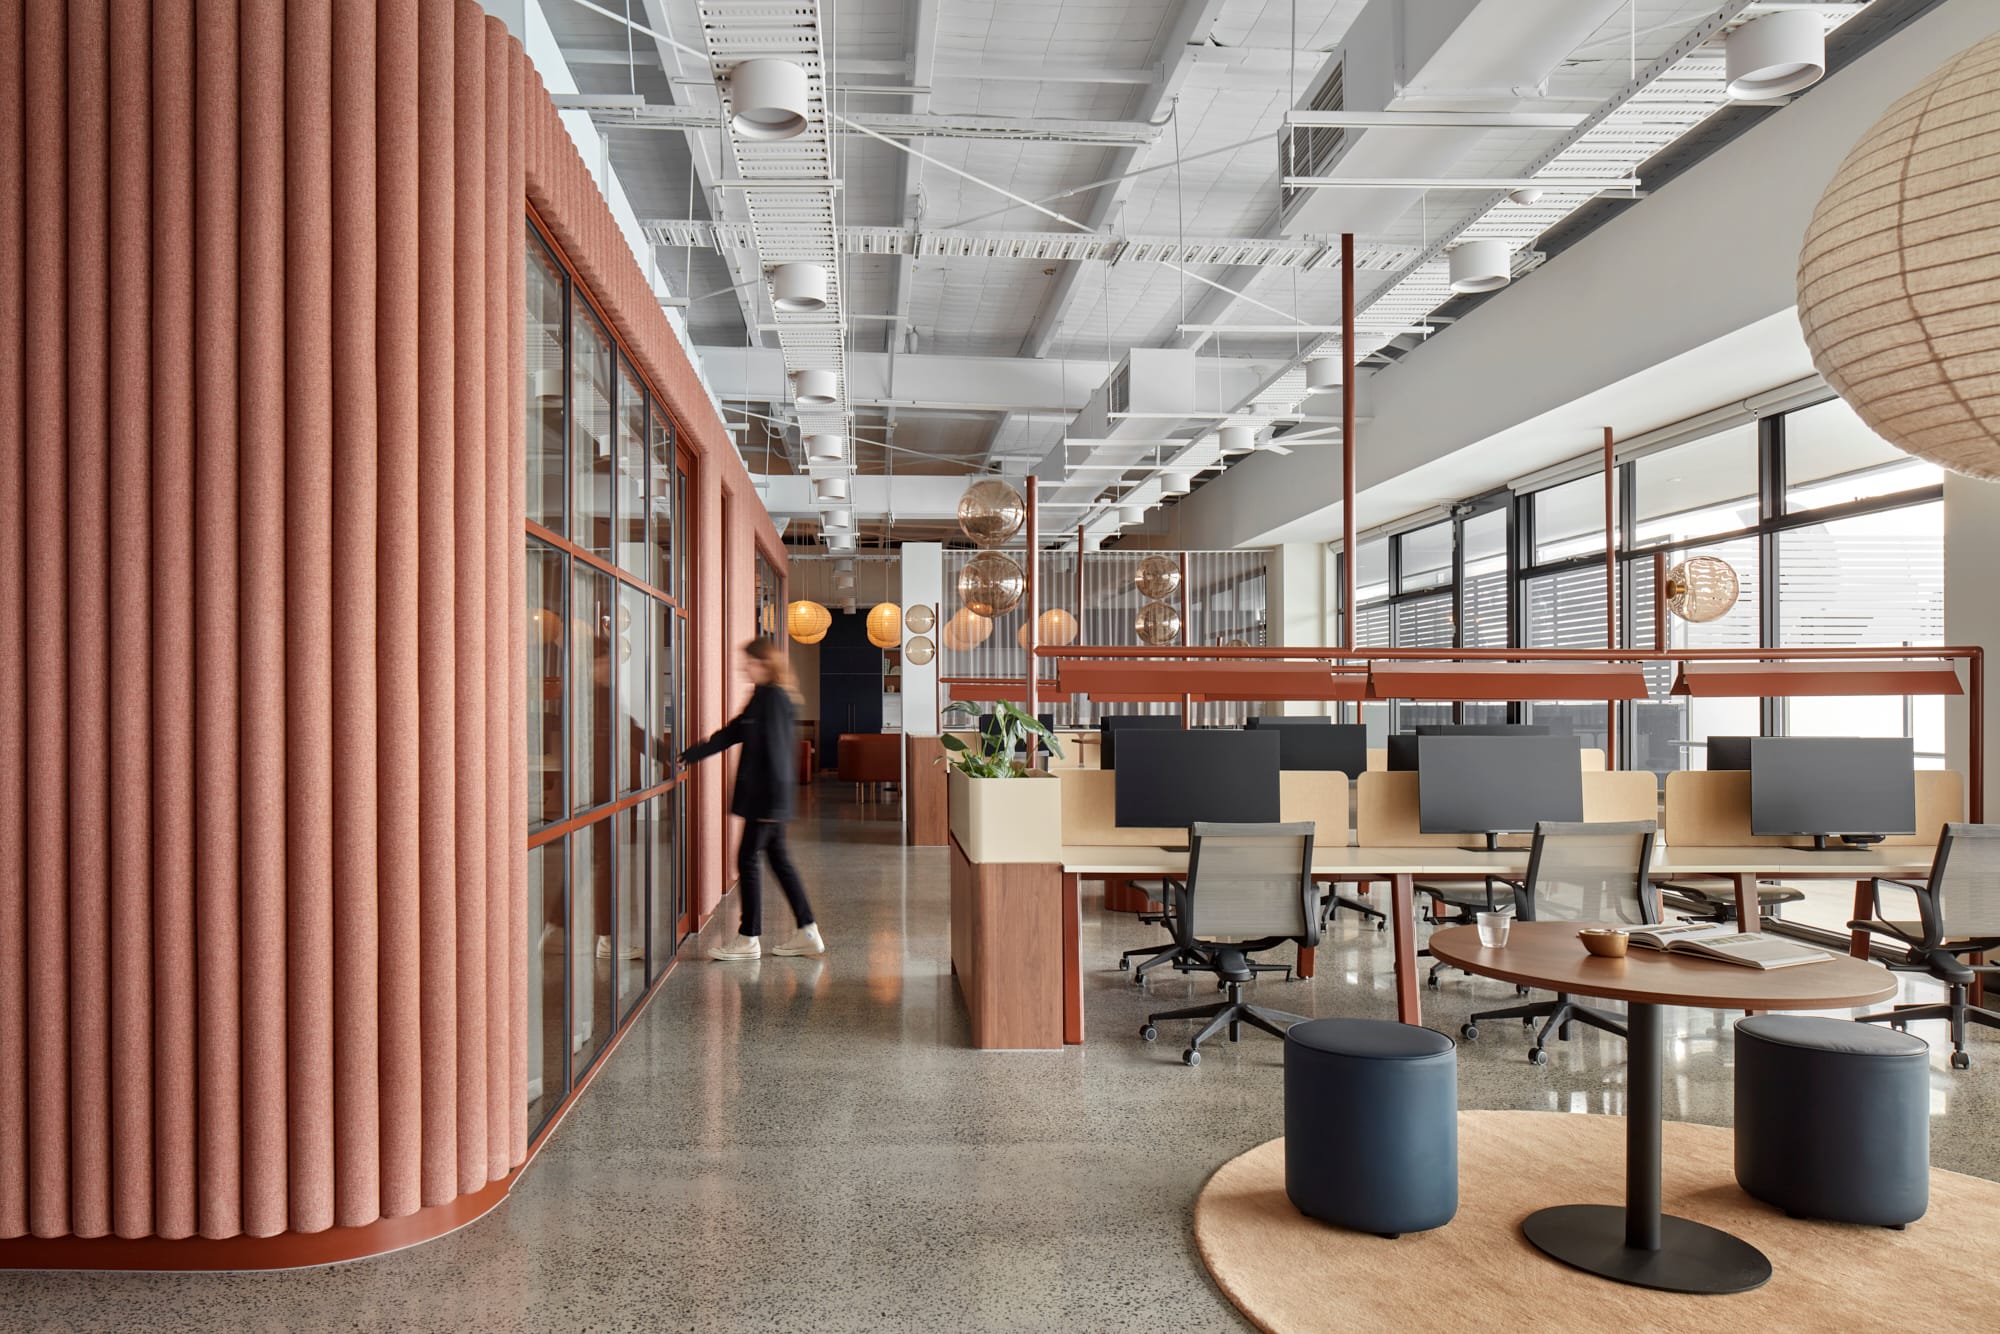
x: 993, y: 756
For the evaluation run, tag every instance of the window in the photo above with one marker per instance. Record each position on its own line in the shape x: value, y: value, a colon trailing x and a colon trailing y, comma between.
x: 1483, y: 619
x: 1425, y: 558
x: 1692, y: 490
x: 1569, y: 521
x: 1831, y: 457
x: 604, y: 675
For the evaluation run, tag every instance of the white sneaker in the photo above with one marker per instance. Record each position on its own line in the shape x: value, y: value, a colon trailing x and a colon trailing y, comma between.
x: 630, y: 953
x: 807, y: 940
x: 738, y: 947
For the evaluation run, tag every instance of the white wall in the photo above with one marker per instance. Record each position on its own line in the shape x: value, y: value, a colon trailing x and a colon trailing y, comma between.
x: 1972, y: 606
x: 923, y: 584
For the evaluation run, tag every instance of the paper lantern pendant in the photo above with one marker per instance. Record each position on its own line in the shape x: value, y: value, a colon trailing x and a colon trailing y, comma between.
x: 885, y: 625
x: 991, y: 584
x: 807, y: 621
x: 1157, y: 576
x: 1702, y: 588
x: 1158, y: 623
x: 990, y: 512
x: 965, y: 630
x: 1900, y: 272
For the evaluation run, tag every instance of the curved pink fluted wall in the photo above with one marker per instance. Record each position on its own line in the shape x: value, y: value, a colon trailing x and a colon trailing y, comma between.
x: 262, y: 774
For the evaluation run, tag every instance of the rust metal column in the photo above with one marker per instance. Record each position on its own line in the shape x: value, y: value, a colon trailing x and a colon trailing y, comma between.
x: 1187, y: 641
x: 1034, y: 606
x: 1610, y: 592
x: 1347, y: 552
x: 1659, y: 602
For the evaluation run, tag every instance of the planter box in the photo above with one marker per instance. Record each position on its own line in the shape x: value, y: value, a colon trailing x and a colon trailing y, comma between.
x: 1007, y: 820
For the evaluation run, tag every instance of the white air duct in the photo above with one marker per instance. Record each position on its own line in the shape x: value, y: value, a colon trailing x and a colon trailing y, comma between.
x: 769, y: 99
x: 798, y: 289
x: 1777, y: 54
x: 817, y: 388
x: 829, y: 489
x: 1480, y: 266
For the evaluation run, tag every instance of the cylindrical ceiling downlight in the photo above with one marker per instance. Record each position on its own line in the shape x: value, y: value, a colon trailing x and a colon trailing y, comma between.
x: 1131, y: 515
x: 768, y: 98
x: 1175, y: 483
x: 840, y: 518
x: 830, y: 490
x: 798, y: 289
x: 1776, y: 55
x: 1480, y: 266
x: 1236, y: 439
x: 825, y: 449
x: 1323, y: 375
x: 816, y: 388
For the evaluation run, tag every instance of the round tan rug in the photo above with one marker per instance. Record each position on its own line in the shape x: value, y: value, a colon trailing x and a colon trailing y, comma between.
x: 1289, y: 1273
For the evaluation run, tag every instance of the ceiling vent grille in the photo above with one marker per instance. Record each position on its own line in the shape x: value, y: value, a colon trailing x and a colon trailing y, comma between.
x: 1310, y: 150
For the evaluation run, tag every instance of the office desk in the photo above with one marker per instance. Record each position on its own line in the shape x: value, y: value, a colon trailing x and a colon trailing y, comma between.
x: 1403, y: 867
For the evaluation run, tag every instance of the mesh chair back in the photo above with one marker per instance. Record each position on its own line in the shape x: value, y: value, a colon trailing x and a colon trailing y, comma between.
x: 1590, y: 873
x: 1249, y: 880
x: 1966, y: 881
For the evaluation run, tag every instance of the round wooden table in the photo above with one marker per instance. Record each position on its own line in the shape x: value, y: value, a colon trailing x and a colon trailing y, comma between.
x: 1638, y: 1244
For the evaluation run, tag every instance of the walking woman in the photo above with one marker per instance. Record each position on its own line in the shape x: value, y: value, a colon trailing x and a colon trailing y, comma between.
x: 763, y: 798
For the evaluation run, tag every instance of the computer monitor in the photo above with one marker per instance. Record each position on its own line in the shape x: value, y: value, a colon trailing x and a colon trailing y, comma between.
x: 1858, y: 789
x: 1333, y: 746
x: 1173, y: 778
x: 1111, y: 725
x: 1491, y: 785
x: 1286, y: 720
x: 1403, y: 745
x: 1729, y: 752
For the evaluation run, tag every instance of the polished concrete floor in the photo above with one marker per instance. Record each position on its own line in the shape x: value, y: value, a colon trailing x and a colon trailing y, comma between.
x: 801, y: 1144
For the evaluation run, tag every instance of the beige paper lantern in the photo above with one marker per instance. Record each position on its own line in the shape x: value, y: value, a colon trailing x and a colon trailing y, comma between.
x: 966, y: 630
x: 919, y: 619
x: 807, y: 621
x: 1701, y: 588
x: 920, y: 650
x: 990, y: 512
x: 1055, y: 628
x: 885, y: 625
x: 991, y: 584
x: 1157, y: 577
x: 1900, y: 272
x: 1158, y: 623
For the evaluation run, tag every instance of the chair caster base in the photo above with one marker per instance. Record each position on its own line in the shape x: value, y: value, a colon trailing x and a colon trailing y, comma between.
x: 1190, y: 1057
x: 1537, y: 1056
x: 1470, y: 1032
x: 1149, y: 1033
x: 1960, y: 1061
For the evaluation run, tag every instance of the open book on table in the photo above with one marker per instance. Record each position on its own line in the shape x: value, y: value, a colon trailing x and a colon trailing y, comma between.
x: 1717, y: 941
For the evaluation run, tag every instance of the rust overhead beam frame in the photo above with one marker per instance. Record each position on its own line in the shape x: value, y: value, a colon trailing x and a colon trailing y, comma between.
x: 1610, y: 587
x: 1348, y: 618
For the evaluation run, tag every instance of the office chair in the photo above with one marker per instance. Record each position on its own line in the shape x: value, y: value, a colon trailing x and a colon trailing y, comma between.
x: 1713, y: 898
x: 1958, y: 914
x: 1580, y: 873
x: 1459, y: 903
x: 1249, y: 889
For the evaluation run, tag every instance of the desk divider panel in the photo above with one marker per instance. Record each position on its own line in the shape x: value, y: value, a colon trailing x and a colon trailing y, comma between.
x: 1710, y: 808
x: 1386, y: 813
x: 1089, y: 817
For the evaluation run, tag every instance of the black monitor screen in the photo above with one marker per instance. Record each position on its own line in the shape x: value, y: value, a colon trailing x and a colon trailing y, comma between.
x: 1729, y: 752
x: 1832, y: 785
x: 1109, y: 727
x: 1403, y: 745
x: 1497, y: 784
x: 1343, y: 747
x: 1287, y: 720
x: 1172, y: 778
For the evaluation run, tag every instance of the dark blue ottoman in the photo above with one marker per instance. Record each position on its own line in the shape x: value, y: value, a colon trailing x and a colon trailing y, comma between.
x: 1371, y: 1124
x: 1833, y: 1119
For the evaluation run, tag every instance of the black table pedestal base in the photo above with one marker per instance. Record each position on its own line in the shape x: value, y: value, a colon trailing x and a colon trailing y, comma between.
x: 1693, y: 1257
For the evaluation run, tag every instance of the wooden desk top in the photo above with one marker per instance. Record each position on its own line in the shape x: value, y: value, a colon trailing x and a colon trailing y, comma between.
x: 1438, y: 863
x: 1548, y: 956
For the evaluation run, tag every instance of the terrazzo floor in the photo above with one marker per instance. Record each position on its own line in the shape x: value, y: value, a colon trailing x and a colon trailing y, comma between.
x: 800, y: 1144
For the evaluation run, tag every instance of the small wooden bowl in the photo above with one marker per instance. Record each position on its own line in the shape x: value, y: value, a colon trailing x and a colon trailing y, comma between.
x: 1605, y: 944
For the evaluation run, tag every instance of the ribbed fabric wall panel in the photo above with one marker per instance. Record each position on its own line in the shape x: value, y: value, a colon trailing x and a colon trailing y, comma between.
x: 469, y: 560
x: 173, y: 629
x: 258, y: 972
x: 89, y: 633
x: 260, y: 458
x: 127, y: 398
x: 399, y: 794
x: 219, y: 1136
x: 13, y: 767
x: 262, y: 781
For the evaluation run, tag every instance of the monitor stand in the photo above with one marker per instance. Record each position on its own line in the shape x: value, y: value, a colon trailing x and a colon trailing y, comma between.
x: 1492, y: 843
x: 1849, y: 842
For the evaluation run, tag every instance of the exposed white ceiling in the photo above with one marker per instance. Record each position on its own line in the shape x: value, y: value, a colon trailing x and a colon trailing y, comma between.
x: 926, y: 249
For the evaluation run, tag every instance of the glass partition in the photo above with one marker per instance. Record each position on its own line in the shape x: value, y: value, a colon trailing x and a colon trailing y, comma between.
x: 590, y: 438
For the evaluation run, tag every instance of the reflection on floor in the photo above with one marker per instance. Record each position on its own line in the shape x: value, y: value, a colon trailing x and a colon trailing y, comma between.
x: 807, y: 1144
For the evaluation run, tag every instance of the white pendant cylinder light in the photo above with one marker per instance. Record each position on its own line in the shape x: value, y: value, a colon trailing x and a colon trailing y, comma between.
x: 847, y: 605
x: 842, y: 582
x: 1480, y: 266
x: 1237, y: 439
x: 817, y: 388
x: 798, y: 289
x: 1525, y: 196
x: 840, y: 541
x: 1175, y: 484
x: 1777, y: 54
x: 829, y: 489
x: 1130, y: 515
x: 824, y: 449
x: 768, y: 98
x: 840, y: 518
x: 1323, y: 375
x: 1093, y: 543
